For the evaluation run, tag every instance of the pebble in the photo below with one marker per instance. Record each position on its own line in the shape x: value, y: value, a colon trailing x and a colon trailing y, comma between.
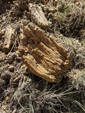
x: 11, y: 68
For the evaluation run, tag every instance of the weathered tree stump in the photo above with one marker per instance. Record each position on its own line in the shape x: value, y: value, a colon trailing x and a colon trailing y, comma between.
x: 42, y: 55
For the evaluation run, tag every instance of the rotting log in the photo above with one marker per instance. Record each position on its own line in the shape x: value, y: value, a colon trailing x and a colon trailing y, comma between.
x: 42, y: 55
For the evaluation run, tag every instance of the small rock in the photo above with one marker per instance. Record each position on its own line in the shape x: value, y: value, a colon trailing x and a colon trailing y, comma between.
x: 7, y: 98
x: 11, y: 68
x: 77, y: 3
x: 24, y: 66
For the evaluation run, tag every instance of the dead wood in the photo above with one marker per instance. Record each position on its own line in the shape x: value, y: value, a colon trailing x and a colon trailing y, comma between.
x: 42, y: 55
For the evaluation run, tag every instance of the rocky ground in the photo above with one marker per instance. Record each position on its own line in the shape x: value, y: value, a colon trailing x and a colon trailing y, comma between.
x: 46, y: 25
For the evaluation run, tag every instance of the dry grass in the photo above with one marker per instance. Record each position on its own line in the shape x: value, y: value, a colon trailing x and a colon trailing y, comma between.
x: 43, y: 97
x: 72, y: 19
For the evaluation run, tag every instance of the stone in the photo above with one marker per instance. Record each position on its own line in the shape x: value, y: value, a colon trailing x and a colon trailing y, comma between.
x: 9, y: 37
x: 43, y: 56
x: 37, y: 15
x: 11, y: 68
